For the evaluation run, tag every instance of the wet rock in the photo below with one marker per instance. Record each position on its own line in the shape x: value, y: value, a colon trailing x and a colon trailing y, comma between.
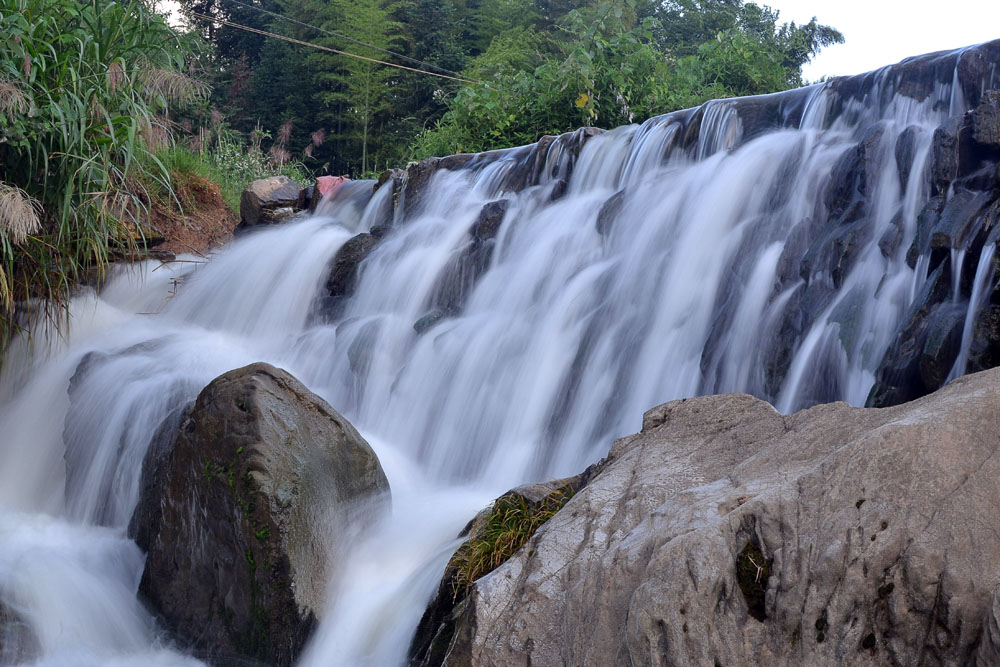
x: 17, y: 643
x: 436, y: 630
x: 898, y: 378
x: 609, y: 211
x: 926, y: 221
x: 859, y: 529
x: 957, y: 221
x: 906, y: 146
x: 269, y: 200
x: 487, y: 226
x: 344, y: 268
x: 941, y: 344
x: 247, y: 497
x: 429, y: 320
x: 986, y: 121
x: 952, y: 153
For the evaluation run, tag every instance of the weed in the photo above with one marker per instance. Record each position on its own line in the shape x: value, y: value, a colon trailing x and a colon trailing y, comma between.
x: 511, y: 523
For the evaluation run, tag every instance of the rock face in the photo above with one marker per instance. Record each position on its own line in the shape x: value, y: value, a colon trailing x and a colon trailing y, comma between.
x: 725, y: 533
x: 246, y: 496
x: 270, y: 200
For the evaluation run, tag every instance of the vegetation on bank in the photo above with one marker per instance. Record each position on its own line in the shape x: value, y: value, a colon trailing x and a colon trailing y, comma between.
x: 508, y: 71
x: 96, y: 103
x: 81, y: 86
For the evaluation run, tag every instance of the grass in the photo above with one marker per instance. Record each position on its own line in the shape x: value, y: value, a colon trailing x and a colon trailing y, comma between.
x: 510, y: 524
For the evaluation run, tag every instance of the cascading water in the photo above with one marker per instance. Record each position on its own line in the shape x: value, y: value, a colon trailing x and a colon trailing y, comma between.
x: 712, y: 250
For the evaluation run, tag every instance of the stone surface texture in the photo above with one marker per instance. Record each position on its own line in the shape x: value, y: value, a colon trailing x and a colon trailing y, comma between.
x: 880, y: 527
x: 246, y: 498
x: 269, y: 200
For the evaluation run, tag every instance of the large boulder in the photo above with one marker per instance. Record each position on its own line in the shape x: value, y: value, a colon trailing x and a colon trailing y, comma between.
x: 269, y: 200
x: 246, y: 498
x: 725, y: 533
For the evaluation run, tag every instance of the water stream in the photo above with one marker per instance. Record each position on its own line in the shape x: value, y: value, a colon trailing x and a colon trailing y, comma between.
x: 710, y: 277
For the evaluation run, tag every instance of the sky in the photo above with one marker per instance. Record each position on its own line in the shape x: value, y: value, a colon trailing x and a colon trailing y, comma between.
x: 882, y: 32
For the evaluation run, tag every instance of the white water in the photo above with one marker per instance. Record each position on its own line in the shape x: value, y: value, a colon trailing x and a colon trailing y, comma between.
x: 558, y: 348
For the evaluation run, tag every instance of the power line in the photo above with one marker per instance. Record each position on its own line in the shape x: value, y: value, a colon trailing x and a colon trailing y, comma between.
x: 350, y: 39
x: 333, y: 50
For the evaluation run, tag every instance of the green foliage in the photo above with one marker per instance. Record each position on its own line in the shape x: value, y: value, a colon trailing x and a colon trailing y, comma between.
x: 510, y: 524
x: 87, y: 80
x: 539, y: 66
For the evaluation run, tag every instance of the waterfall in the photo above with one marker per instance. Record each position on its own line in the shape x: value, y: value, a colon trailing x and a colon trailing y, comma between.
x: 756, y: 245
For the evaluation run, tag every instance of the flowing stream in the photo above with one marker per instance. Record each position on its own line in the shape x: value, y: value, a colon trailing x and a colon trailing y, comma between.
x: 707, y: 276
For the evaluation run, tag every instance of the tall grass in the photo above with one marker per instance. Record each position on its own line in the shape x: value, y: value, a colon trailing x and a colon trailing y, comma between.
x: 81, y: 83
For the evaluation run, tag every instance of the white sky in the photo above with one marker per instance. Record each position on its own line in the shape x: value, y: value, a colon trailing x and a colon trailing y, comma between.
x: 882, y: 32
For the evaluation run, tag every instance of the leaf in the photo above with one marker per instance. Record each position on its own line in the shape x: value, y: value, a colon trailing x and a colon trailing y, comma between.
x: 582, y: 100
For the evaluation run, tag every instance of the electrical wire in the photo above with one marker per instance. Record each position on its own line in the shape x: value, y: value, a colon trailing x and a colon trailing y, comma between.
x: 349, y: 39
x: 333, y: 50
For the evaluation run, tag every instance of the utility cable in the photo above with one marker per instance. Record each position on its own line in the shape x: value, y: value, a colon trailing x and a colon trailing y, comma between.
x: 333, y: 50
x: 351, y: 39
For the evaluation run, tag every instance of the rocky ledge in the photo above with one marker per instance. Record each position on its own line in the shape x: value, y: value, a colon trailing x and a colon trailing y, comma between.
x: 725, y: 533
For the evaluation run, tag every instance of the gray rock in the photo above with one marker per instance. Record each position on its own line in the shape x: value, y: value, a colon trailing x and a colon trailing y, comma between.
x: 986, y: 120
x: 875, y: 531
x: 270, y: 200
x: 246, y: 497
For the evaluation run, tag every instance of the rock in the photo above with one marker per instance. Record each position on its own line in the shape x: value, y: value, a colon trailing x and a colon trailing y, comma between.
x: 986, y: 121
x: 328, y: 185
x: 952, y: 153
x: 429, y: 320
x: 727, y: 534
x: 18, y: 644
x: 263, y: 200
x: 437, y: 625
x: 609, y: 211
x: 905, y: 150
x: 487, y: 226
x: 246, y: 497
x: 344, y: 269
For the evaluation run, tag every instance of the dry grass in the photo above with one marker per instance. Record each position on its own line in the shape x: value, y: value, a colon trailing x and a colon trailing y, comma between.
x: 20, y: 215
x: 13, y: 100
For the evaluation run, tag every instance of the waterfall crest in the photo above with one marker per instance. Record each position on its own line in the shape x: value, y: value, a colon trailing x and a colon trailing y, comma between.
x: 515, y: 311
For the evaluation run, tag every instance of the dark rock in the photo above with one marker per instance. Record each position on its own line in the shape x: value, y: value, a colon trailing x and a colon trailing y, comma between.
x: 487, y: 226
x: 941, y: 344
x: 344, y: 269
x: 609, y: 211
x: 899, y: 378
x: 429, y: 320
x: 558, y: 189
x: 243, y: 508
x: 986, y: 121
x: 269, y: 200
x: 957, y: 221
x: 927, y: 219
x: 952, y: 153
x: 906, y: 146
